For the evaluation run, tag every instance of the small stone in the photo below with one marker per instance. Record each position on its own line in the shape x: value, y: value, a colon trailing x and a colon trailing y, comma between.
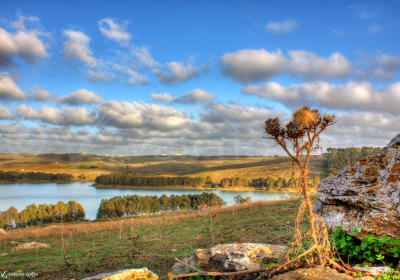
x: 4, y: 254
x: 375, y: 270
x: 30, y: 246
x: 174, y: 250
x: 132, y: 274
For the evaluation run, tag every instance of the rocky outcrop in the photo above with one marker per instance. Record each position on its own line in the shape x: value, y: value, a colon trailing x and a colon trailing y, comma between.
x: 320, y: 273
x: 231, y: 257
x: 131, y: 274
x: 365, y: 195
x: 30, y: 246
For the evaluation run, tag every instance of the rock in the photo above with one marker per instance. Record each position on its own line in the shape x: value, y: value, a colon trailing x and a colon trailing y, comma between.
x: 375, y: 271
x: 365, y: 195
x: 131, y: 274
x: 2, y: 232
x: 320, y: 273
x: 29, y: 246
x: 3, y: 255
x: 231, y: 257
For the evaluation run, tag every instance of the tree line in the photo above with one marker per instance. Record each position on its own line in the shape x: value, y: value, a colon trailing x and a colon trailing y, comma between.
x: 42, y: 214
x: 37, y: 176
x: 338, y: 158
x: 138, y: 205
x: 129, y: 179
x: 268, y: 183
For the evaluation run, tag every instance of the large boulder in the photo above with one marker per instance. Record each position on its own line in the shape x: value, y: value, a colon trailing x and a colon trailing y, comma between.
x: 131, y: 274
x: 231, y: 257
x: 30, y: 246
x: 365, y: 195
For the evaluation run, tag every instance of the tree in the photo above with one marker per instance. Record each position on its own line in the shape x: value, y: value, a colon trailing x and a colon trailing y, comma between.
x: 12, y: 216
x: 3, y: 222
x: 302, y: 134
x: 209, y: 180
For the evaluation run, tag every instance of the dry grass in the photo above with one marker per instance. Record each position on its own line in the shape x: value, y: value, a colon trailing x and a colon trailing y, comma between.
x: 89, y: 227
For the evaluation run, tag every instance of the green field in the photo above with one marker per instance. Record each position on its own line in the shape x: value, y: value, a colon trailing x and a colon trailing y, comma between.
x: 103, y: 250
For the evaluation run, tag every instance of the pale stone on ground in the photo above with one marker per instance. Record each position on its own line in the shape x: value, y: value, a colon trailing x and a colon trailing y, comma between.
x: 320, y: 273
x: 230, y: 257
x: 30, y: 246
x: 365, y: 195
x: 2, y: 232
x: 126, y: 274
x: 375, y: 271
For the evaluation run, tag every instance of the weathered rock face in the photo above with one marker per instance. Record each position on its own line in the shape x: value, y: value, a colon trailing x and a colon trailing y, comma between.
x: 30, y: 246
x: 131, y: 274
x: 231, y: 257
x: 365, y: 195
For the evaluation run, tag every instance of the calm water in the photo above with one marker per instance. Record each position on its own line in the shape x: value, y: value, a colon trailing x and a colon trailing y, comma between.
x: 20, y: 195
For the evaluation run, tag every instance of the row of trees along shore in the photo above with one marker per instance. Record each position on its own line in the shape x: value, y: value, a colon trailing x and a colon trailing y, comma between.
x: 138, y: 205
x: 129, y: 179
x: 338, y: 158
x: 35, y: 176
x: 42, y: 214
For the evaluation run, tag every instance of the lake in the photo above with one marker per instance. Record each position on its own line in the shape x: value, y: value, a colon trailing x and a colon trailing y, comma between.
x: 21, y: 195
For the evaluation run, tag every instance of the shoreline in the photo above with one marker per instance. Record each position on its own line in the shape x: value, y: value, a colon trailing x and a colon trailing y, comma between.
x: 191, y: 188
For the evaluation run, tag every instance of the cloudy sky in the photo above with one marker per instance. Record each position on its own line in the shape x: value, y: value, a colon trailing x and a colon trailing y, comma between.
x: 194, y: 77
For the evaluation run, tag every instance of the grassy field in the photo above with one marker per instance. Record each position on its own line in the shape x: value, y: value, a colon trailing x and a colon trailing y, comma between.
x: 93, y: 248
x: 217, y: 167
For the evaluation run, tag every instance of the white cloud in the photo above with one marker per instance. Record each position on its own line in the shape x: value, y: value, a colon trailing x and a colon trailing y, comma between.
x: 351, y: 96
x: 279, y: 27
x: 69, y: 116
x: 24, y: 43
x: 114, y: 31
x: 77, y: 46
x: 193, y: 97
x: 38, y: 93
x: 140, y: 115
x: 134, y: 78
x: 96, y: 77
x: 314, y: 66
x: 6, y: 113
x: 8, y: 88
x: 81, y: 96
x: 253, y: 65
x: 178, y: 73
x: 162, y: 97
x: 364, y: 11
x: 142, y: 58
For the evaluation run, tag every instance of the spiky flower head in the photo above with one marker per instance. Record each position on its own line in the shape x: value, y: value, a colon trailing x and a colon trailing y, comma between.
x: 294, y: 131
x: 329, y: 118
x: 273, y: 127
x: 304, y: 117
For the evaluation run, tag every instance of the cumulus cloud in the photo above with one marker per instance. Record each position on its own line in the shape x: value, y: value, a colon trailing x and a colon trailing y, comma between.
x: 257, y: 65
x: 6, y: 113
x: 8, y: 88
x: 139, y: 115
x: 68, y: 116
x: 162, y: 97
x: 193, y: 97
x: 220, y: 113
x: 351, y: 96
x: 177, y: 73
x: 24, y: 43
x: 38, y: 93
x: 253, y: 65
x: 114, y: 31
x: 313, y: 66
x: 81, y: 96
x: 97, y: 77
x: 280, y: 27
x: 77, y: 46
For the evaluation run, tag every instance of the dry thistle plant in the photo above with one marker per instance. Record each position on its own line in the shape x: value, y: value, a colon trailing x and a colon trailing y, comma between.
x: 301, y: 135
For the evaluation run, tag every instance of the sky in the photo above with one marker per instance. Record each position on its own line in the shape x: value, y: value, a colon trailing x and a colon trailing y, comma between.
x: 194, y: 77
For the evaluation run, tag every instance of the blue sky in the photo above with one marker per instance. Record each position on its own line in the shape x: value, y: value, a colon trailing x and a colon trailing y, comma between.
x: 193, y: 77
